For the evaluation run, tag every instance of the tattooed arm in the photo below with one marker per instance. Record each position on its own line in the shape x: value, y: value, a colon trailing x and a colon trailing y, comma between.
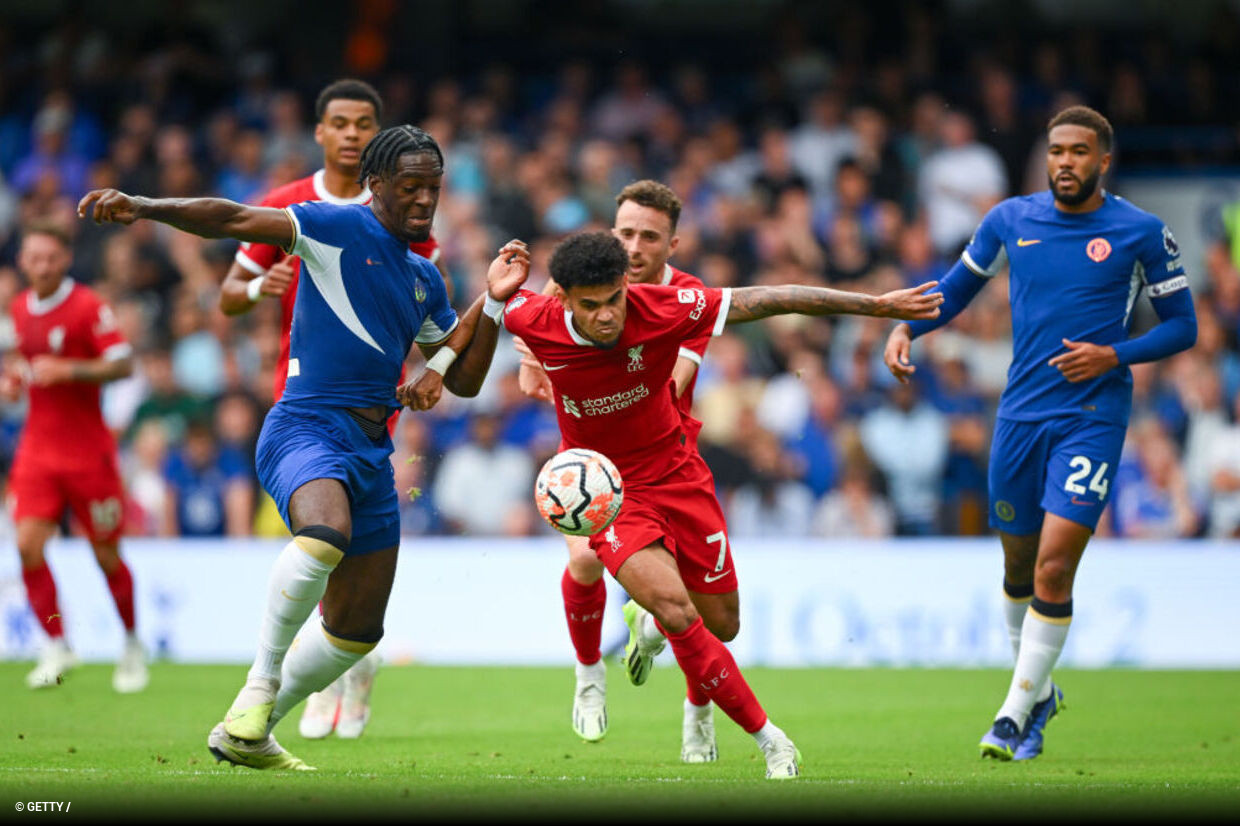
x: 751, y: 303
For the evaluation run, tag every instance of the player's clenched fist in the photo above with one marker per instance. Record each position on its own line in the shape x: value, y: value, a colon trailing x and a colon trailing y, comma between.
x: 509, y: 270
x: 109, y: 206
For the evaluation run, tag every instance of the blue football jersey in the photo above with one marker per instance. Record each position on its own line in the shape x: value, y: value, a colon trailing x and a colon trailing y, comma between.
x: 363, y: 299
x: 1072, y: 276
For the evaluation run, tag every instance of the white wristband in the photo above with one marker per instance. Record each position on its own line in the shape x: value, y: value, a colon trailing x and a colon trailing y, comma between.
x: 493, y: 308
x: 442, y: 360
x: 254, y: 289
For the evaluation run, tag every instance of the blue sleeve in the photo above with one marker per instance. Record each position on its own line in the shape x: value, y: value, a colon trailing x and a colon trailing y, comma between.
x: 318, y: 221
x: 986, y: 254
x: 440, y: 319
x: 1169, y: 294
x: 959, y: 287
x: 1176, y: 330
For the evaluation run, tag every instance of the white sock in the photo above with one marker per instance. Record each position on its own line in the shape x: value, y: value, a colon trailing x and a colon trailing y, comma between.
x: 1014, y: 618
x: 315, y: 660
x: 1041, y: 641
x: 298, y: 581
x: 699, y: 713
x: 592, y: 673
x: 767, y: 733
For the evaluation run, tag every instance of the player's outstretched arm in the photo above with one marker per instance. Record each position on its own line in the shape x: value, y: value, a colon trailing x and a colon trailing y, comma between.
x: 751, y: 303
x: 205, y: 217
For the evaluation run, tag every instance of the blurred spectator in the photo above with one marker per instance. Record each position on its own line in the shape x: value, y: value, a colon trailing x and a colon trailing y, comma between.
x: 52, y: 165
x: 411, y: 461
x: 166, y: 401
x: 770, y: 502
x: 483, y: 486
x: 1225, y: 478
x: 907, y: 439
x: 209, y: 489
x: 1153, y: 500
x: 854, y: 509
x: 958, y: 183
x: 151, y: 511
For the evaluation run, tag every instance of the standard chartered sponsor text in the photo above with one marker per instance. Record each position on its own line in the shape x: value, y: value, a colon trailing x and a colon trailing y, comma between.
x: 615, y: 402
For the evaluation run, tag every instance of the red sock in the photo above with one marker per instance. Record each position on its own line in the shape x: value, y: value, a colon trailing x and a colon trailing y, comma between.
x: 708, y: 663
x: 41, y: 591
x: 583, y: 606
x: 694, y: 693
x: 120, y: 583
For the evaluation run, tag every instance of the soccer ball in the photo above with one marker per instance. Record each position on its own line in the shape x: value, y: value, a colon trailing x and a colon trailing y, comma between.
x: 578, y: 492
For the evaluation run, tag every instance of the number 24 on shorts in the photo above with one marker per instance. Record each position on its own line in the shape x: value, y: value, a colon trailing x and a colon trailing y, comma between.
x: 1098, y: 484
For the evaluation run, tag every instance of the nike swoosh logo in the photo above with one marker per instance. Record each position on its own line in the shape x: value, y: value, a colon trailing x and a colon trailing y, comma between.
x: 1021, y: 242
x: 1076, y: 501
x: 549, y: 368
x: 292, y: 598
x: 710, y: 578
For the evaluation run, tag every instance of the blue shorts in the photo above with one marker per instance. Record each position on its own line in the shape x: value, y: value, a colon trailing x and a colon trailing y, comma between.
x: 299, y: 443
x: 1063, y: 465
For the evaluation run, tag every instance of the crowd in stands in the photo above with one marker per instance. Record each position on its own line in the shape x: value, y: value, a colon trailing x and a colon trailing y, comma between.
x: 815, y: 172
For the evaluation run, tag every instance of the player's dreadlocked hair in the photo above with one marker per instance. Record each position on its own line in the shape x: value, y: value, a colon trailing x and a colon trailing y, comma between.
x: 1090, y: 119
x: 381, y: 154
x: 588, y: 259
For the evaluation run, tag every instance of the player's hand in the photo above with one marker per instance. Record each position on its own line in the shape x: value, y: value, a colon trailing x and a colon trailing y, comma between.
x: 421, y: 393
x: 509, y: 270
x: 896, y: 353
x: 1084, y: 361
x: 46, y: 370
x: 914, y: 303
x: 12, y: 383
x: 109, y: 206
x: 278, y: 278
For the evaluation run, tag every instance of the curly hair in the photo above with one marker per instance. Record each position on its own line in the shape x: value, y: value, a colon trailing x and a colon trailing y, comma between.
x: 1090, y: 119
x: 380, y: 156
x: 588, y: 259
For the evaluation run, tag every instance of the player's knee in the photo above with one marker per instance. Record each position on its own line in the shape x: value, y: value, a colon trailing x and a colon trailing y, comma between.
x: 675, y: 612
x: 1055, y: 576
x: 108, y: 557
x: 31, y: 554
x: 583, y: 564
x: 359, y: 640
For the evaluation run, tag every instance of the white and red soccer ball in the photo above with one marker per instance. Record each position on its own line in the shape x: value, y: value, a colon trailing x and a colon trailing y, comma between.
x: 579, y: 492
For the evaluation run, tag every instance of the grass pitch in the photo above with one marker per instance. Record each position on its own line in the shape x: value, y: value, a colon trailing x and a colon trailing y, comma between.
x: 495, y: 744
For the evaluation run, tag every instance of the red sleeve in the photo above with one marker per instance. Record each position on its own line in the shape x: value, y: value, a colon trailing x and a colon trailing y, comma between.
x: 520, y: 311
x: 105, y: 336
x: 695, y: 313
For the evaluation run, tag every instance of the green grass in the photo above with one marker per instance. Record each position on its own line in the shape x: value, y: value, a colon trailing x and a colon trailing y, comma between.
x: 495, y: 743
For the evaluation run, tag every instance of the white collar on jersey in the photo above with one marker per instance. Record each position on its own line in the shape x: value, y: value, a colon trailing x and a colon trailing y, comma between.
x: 667, y: 274
x: 577, y: 337
x: 320, y: 189
x: 42, y: 306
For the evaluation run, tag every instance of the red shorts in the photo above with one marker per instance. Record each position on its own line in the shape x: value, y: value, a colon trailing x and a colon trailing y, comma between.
x: 681, y: 511
x: 92, y: 490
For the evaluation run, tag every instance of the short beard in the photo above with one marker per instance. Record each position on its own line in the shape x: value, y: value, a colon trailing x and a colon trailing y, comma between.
x: 1086, y: 191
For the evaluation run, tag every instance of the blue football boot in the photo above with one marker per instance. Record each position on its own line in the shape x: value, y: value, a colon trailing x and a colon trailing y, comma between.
x: 1002, y: 740
x: 1031, y: 746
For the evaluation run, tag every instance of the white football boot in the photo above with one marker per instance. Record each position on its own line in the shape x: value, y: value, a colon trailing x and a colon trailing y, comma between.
x: 131, y: 675
x: 355, y: 699
x: 590, y: 702
x: 318, y: 718
x: 55, y: 660
x: 697, y: 738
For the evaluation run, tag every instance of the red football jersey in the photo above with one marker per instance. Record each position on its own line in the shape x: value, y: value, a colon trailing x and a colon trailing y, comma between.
x: 695, y: 348
x: 258, y: 258
x: 65, y: 423
x: 617, y: 400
